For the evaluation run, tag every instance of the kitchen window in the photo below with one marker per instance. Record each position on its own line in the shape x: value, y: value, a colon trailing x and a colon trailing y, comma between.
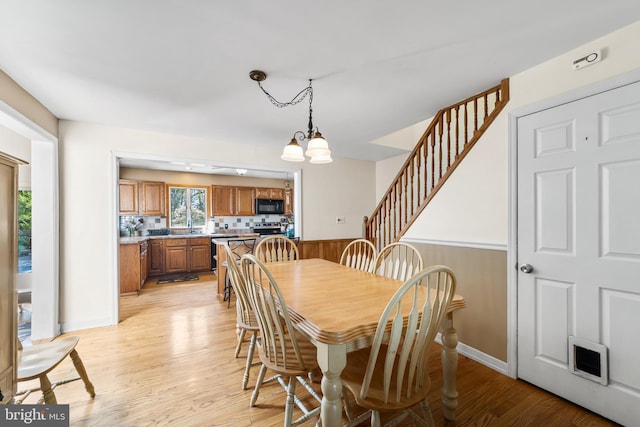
x: 187, y: 207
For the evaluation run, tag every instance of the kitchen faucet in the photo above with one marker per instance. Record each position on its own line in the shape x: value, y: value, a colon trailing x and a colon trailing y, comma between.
x: 190, y: 225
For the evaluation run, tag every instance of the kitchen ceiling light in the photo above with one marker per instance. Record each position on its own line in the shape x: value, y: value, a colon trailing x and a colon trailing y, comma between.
x: 317, y: 148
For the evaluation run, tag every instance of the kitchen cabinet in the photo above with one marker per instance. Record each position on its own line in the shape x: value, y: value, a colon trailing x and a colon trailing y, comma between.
x: 152, y: 198
x: 277, y: 194
x: 8, y: 277
x: 141, y: 197
x: 175, y: 259
x: 133, y: 267
x: 245, y: 201
x: 156, y: 257
x: 128, y: 197
x: 230, y: 201
x: 187, y: 255
x: 199, y: 254
x: 222, y: 200
x: 270, y: 193
x: 288, y: 202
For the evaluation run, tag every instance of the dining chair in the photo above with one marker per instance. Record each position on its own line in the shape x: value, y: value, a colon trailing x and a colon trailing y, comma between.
x: 238, y: 248
x: 276, y: 248
x: 282, y: 348
x: 246, y: 321
x: 37, y: 360
x: 398, y: 261
x: 359, y: 254
x: 392, y: 375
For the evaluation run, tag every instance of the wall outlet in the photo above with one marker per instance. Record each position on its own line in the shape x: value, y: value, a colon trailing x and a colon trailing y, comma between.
x: 340, y: 220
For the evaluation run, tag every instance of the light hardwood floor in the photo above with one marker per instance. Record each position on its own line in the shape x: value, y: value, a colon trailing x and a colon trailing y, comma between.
x: 170, y: 362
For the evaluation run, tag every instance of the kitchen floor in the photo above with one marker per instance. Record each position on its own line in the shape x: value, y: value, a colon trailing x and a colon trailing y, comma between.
x: 152, y: 282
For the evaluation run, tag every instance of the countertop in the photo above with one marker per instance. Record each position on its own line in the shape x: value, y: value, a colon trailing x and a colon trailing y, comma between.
x: 222, y: 239
x: 219, y: 237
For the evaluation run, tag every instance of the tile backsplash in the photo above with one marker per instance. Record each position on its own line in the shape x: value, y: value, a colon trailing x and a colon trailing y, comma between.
x: 242, y: 221
x: 214, y: 223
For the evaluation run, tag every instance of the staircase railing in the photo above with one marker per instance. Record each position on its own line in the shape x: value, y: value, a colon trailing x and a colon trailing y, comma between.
x: 451, y: 134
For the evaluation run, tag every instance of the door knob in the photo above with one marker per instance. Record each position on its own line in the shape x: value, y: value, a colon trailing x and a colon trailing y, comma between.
x: 526, y: 268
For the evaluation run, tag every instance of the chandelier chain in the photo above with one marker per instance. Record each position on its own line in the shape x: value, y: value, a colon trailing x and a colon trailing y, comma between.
x: 307, y: 91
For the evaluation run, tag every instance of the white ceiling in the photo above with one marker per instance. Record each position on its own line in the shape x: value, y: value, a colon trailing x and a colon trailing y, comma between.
x: 181, y: 67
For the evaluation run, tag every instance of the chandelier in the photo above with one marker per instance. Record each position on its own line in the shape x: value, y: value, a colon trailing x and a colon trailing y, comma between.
x: 317, y: 147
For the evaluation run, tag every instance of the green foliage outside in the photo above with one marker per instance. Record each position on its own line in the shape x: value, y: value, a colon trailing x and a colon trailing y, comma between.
x: 198, y: 207
x: 187, y: 203
x: 24, y: 222
x: 178, y: 206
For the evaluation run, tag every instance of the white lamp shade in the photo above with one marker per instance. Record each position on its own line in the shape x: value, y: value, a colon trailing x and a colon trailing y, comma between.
x: 292, y: 152
x: 317, y: 144
x: 321, y: 156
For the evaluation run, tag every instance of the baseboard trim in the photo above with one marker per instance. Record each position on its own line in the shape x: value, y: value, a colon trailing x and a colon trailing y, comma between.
x: 490, y: 246
x: 77, y: 326
x: 480, y: 357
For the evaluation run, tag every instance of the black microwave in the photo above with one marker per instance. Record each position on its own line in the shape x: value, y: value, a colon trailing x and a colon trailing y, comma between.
x: 269, y: 206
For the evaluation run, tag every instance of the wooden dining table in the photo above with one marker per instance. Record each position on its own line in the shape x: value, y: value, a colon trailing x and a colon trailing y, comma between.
x: 337, y: 308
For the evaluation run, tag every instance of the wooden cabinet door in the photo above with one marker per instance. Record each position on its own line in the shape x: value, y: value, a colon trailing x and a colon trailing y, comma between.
x: 199, y: 258
x: 277, y: 194
x: 245, y: 201
x: 175, y: 259
x: 288, y: 202
x: 156, y: 257
x: 222, y: 200
x: 129, y: 268
x: 263, y: 193
x: 8, y: 286
x: 270, y: 193
x: 128, y: 197
x: 152, y: 199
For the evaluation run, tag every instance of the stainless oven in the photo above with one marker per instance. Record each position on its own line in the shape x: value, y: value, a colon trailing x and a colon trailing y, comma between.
x: 267, y: 228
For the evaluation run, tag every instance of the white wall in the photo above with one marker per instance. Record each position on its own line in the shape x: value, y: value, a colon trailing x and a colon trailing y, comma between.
x: 473, y: 205
x: 341, y: 188
x: 386, y: 171
x: 88, y: 176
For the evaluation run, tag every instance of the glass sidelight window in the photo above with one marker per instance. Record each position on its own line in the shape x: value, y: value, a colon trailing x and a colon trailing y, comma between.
x: 187, y: 207
x: 24, y: 231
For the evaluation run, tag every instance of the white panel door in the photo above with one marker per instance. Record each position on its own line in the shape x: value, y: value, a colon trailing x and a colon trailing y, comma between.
x: 579, y: 251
